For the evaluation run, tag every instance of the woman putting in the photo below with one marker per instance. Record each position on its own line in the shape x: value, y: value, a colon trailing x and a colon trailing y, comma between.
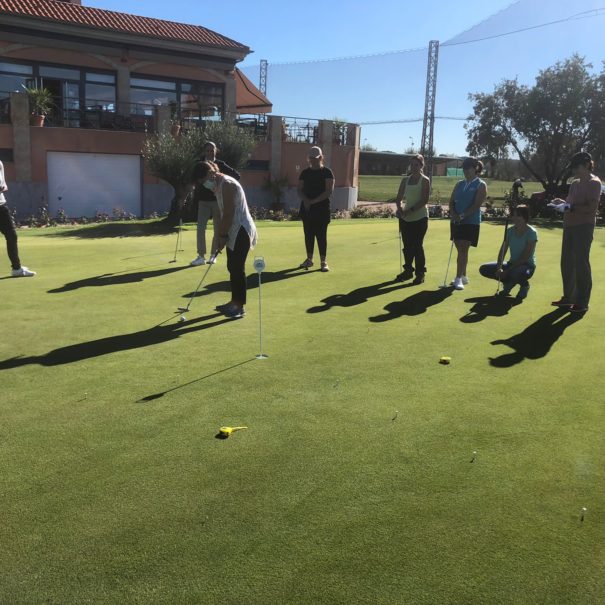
x: 315, y: 186
x: 237, y: 231
x: 413, y: 220
x: 465, y: 215
x: 521, y: 238
x: 208, y: 208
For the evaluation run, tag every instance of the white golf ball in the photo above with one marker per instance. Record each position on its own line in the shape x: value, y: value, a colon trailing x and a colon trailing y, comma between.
x: 182, y: 318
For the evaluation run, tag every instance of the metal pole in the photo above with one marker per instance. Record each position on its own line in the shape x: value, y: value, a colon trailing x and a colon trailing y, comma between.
x: 260, y: 322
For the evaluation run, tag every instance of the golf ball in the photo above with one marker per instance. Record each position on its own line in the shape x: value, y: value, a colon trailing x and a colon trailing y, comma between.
x: 182, y: 318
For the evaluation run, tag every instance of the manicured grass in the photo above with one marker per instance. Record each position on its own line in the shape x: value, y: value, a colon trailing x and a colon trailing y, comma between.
x: 383, y: 188
x: 354, y: 482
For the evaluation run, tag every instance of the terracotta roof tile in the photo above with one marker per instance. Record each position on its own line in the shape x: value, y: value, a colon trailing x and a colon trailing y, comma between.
x: 75, y: 14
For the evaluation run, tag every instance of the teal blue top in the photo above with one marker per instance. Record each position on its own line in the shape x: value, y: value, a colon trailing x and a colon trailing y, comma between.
x: 464, y: 197
x: 518, y: 243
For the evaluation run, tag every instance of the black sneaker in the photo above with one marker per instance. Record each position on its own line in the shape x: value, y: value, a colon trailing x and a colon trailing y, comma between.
x: 561, y: 303
x: 419, y: 279
x: 405, y: 275
x: 577, y: 309
x: 233, y: 312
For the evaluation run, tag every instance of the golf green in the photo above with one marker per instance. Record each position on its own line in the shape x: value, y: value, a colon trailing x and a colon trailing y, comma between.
x: 369, y: 472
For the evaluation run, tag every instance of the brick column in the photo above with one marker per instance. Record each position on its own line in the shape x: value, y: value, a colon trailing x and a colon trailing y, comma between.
x: 326, y: 131
x: 275, y: 128
x: 22, y: 152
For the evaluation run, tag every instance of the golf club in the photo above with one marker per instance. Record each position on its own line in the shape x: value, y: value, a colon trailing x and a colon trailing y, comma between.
x: 210, y: 265
x: 178, y: 240
x: 447, y: 270
x: 500, y: 261
x: 400, y: 242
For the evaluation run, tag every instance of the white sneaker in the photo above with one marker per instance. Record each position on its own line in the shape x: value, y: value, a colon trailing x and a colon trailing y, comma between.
x: 464, y: 280
x: 212, y: 260
x: 22, y: 272
x: 200, y: 260
x: 457, y: 283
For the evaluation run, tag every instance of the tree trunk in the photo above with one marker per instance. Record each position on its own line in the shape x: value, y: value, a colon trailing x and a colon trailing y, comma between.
x: 181, y: 207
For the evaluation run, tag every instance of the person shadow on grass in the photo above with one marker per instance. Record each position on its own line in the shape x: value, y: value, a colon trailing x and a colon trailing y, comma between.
x: 267, y: 277
x: 114, y: 279
x: 159, y: 334
x: 414, y: 305
x: 488, y: 306
x: 535, y: 341
x: 358, y: 296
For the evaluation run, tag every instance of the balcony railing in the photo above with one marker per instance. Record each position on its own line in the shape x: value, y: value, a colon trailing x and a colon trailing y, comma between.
x: 300, y: 130
x: 100, y: 115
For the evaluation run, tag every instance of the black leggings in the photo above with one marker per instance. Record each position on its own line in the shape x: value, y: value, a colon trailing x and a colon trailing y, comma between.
x: 236, y: 265
x: 7, y: 227
x: 316, y: 228
x: 412, y: 234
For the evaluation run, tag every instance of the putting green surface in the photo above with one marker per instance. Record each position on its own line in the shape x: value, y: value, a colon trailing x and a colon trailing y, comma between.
x: 355, y: 481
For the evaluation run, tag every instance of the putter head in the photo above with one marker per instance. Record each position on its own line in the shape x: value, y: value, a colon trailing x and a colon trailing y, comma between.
x: 183, y: 309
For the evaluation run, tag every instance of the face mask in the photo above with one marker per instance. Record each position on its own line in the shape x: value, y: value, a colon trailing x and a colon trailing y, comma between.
x: 209, y: 184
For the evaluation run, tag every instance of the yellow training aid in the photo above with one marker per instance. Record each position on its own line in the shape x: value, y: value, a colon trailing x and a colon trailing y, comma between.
x: 225, y: 431
x: 445, y: 360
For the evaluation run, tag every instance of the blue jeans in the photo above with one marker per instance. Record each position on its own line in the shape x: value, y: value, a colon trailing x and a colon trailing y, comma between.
x: 519, y: 275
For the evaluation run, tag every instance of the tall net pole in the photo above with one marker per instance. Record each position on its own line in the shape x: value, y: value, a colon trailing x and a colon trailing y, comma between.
x: 262, y: 83
x: 428, y: 123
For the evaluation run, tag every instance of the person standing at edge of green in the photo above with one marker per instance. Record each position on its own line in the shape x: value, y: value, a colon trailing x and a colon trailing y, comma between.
x: 465, y: 216
x: 8, y: 229
x: 579, y: 219
x: 413, y: 220
x: 315, y: 186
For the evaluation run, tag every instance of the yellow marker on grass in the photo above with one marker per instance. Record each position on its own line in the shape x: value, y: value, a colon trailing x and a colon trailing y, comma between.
x: 225, y: 431
x: 445, y: 360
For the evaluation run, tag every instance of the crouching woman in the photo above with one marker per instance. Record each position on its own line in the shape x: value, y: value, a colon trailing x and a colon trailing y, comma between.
x: 521, y: 239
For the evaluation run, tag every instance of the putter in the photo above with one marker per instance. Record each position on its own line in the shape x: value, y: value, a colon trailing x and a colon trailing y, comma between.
x: 503, y: 242
x: 178, y: 239
x: 185, y: 309
x: 447, y: 270
x: 400, y: 241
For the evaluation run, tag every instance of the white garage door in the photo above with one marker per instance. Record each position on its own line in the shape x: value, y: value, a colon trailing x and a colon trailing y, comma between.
x: 83, y: 184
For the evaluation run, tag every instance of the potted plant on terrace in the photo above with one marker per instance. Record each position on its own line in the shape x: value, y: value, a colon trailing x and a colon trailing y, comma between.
x: 41, y: 101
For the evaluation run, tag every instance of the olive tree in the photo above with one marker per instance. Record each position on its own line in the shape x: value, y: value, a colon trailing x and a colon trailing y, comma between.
x: 172, y: 158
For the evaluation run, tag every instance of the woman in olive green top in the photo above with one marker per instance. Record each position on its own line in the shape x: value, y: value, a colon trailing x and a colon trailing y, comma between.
x: 413, y: 220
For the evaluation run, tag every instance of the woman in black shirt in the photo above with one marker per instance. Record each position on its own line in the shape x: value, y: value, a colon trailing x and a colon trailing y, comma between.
x: 315, y: 186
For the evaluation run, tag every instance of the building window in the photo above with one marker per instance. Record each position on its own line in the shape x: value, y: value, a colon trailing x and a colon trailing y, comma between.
x: 146, y: 93
x: 194, y: 99
x: 13, y: 78
x: 100, y: 91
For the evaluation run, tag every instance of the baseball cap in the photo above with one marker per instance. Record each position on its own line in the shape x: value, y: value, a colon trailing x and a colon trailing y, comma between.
x: 580, y: 158
x: 315, y: 152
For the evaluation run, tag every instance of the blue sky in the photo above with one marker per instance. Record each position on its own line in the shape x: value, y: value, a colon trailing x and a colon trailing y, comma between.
x: 390, y: 86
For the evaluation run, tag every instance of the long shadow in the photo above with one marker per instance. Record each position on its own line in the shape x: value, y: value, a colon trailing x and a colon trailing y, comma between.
x: 414, y: 305
x: 112, y: 344
x: 488, y: 306
x: 117, y: 229
x: 536, y: 340
x: 267, y: 277
x: 358, y: 296
x: 113, y: 279
x: 186, y: 384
